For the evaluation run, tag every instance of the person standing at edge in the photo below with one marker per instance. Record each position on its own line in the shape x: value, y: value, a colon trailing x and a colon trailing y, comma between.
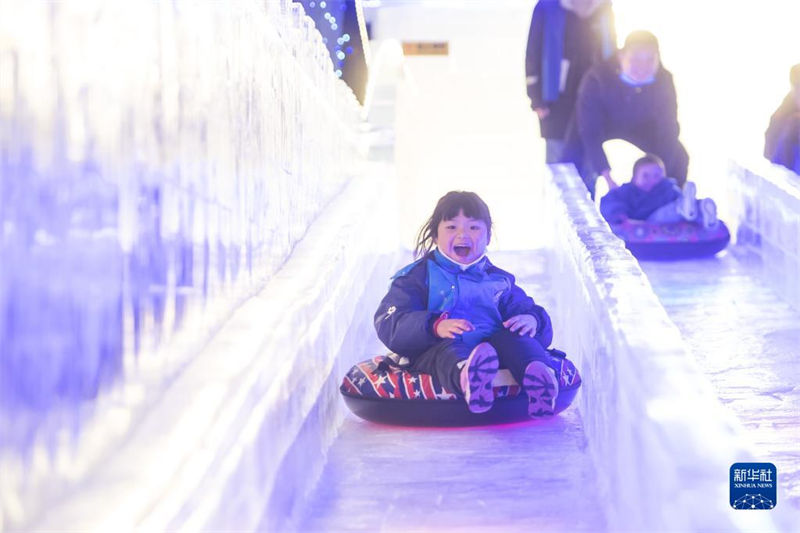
x: 630, y: 97
x: 565, y: 38
x: 782, y: 138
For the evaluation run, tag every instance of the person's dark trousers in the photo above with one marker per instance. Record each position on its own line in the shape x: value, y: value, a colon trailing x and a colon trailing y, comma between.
x: 554, y: 150
x: 514, y: 352
x: 573, y: 153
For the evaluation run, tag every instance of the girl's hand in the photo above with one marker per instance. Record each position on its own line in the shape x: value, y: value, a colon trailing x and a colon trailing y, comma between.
x: 523, y: 324
x: 450, y: 327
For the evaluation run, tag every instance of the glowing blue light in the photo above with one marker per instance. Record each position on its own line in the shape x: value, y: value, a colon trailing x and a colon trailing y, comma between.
x: 349, y: 50
x: 312, y: 4
x: 334, y: 26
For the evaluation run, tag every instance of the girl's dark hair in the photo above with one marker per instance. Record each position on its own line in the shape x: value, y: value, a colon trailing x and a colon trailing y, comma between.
x: 448, y: 208
x: 648, y: 159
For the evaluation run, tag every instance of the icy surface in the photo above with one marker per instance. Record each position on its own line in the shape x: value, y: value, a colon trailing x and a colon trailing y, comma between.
x: 655, y: 442
x: 158, y: 164
x: 746, y: 341
x: 765, y: 211
x: 137, y: 202
x: 661, y: 440
x: 145, y: 210
x: 518, y: 477
x: 217, y: 447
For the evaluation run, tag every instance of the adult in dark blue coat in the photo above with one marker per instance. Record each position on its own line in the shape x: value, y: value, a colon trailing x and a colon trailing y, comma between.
x: 782, y: 138
x: 630, y: 97
x: 565, y: 38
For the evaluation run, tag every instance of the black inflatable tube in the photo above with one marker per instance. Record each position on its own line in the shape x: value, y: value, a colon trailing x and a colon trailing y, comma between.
x: 661, y: 250
x: 666, y: 251
x: 447, y: 413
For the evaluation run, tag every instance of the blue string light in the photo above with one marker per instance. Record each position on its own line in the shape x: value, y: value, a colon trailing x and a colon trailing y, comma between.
x: 330, y: 26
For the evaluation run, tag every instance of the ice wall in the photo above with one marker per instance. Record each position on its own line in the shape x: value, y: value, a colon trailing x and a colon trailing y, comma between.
x: 158, y: 164
x: 239, y: 437
x: 765, y: 215
x: 659, y: 437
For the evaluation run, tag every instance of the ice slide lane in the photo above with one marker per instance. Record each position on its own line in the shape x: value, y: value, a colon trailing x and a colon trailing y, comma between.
x: 531, y: 476
x: 747, y: 341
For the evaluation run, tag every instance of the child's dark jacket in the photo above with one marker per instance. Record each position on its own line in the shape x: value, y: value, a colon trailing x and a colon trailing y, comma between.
x: 421, y: 292
x: 629, y: 201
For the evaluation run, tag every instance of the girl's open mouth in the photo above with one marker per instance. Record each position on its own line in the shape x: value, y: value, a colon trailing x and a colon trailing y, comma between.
x: 461, y: 251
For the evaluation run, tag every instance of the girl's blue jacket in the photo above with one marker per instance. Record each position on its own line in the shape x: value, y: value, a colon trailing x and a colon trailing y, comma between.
x: 422, y: 291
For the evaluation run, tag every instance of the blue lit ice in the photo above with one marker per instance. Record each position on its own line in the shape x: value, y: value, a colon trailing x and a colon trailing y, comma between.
x: 193, y: 243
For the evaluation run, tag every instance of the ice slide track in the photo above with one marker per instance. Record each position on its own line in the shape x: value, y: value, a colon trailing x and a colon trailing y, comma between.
x: 531, y: 476
x: 746, y: 339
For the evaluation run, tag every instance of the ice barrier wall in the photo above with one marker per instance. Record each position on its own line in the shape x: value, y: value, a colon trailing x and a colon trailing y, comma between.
x: 217, y: 449
x: 661, y: 441
x: 765, y: 211
x: 158, y: 165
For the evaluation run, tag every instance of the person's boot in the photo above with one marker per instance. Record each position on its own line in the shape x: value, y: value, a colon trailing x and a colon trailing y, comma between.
x: 477, y: 376
x: 708, y: 213
x: 541, y: 386
x: 687, y: 206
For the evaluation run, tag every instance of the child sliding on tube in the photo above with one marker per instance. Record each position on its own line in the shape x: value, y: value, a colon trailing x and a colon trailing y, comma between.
x: 651, y: 196
x: 458, y: 317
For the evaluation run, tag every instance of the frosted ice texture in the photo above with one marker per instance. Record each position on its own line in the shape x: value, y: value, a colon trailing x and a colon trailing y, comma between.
x: 158, y: 163
x: 511, y: 478
x: 660, y: 439
x: 240, y: 436
x: 765, y: 208
x: 745, y: 339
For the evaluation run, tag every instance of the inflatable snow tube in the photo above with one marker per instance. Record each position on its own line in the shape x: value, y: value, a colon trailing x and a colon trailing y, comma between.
x: 672, y: 241
x: 379, y: 390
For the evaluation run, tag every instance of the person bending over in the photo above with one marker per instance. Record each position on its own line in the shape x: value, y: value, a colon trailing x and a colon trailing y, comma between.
x: 630, y: 97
